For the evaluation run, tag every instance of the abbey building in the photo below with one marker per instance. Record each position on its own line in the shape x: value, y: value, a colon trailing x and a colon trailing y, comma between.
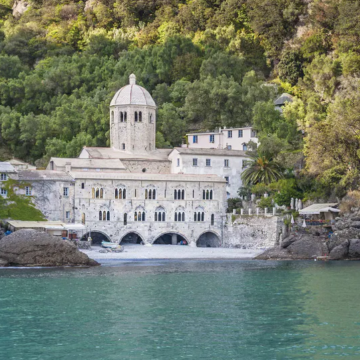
x: 131, y: 191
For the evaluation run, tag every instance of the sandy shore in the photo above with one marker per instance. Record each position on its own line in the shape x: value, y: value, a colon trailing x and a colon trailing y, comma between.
x: 139, y: 252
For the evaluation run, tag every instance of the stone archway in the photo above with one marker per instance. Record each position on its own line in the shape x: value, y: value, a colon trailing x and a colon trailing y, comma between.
x: 171, y: 238
x: 97, y: 237
x: 132, y: 238
x: 208, y: 239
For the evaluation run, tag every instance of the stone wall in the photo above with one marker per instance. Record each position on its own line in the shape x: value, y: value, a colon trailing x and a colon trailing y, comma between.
x: 252, y: 232
x: 150, y: 166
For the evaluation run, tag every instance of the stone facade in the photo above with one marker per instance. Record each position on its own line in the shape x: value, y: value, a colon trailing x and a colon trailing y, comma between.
x: 252, y: 232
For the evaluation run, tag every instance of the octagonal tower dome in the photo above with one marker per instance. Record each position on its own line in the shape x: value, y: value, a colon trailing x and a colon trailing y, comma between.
x: 132, y: 94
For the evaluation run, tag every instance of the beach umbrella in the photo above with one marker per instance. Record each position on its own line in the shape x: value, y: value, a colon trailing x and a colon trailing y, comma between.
x: 292, y: 219
x: 304, y: 224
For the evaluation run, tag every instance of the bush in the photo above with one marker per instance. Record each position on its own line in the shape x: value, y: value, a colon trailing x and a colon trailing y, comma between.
x: 233, y: 204
x: 265, y: 203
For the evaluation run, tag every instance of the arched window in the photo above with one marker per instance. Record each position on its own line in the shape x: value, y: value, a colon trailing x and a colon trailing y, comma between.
x: 93, y: 193
x: 125, y: 219
x: 121, y: 116
x: 176, y: 218
x: 199, y: 216
x: 136, y: 116
x: 193, y: 193
x: 112, y: 117
x: 159, y: 214
x: 212, y: 219
x: 139, y: 214
x: 104, y: 215
x: 124, y: 193
x: 101, y: 193
x: 207, y: 195
x: 204, y: 194
x: 183, y: 194
x: 202, y: 216
x: 175, y: 194
x: 125, y: 116
x: 116, y: 194
x: 97, y: 193
x: 150, y: 118
x: 179, y: 194
x: 100, y: 215
x: 140, y: 116
x: 146, y: 193
x: 211, y: 194
x: 150, y: 194
x: 194, y: 216
x: 183, y: 216
x: 83, y: 218
x: 108, y: 216
x: 123, y: 146
x: 154, y: 194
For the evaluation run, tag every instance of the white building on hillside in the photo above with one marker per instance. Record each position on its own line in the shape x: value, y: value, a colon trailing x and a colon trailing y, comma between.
x: 230, y: 139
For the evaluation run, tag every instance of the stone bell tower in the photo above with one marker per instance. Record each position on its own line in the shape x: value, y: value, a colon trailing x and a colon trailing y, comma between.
x: 133, y: 119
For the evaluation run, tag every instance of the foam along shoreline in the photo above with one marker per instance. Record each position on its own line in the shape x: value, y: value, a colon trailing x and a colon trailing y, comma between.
x: 160, y: 252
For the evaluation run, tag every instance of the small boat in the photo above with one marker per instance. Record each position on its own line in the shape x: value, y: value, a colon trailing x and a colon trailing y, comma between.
x: 109, y: 245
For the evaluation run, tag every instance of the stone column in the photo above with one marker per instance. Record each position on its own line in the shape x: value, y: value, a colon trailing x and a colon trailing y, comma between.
x: 173, y: 239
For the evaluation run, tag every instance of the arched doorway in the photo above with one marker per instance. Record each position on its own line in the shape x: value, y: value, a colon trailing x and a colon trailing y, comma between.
x: 170, y: 239
x: 208, y: 239
x: 96, y: 236
x: 132, y: 239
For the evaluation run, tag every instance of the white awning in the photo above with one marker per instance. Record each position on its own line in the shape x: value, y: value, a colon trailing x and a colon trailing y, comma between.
x: 316, y: 209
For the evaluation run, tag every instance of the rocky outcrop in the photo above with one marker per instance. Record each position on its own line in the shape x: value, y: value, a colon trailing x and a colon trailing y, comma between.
x: 340, y: 252
x: 35, y: 248
x: 19, y: 7
x: 297, y: 247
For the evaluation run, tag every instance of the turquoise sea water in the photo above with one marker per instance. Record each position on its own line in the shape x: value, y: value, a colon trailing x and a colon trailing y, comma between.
x: 182, y: 310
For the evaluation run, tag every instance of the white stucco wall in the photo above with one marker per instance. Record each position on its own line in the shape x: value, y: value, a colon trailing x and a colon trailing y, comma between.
x: 233, y: 172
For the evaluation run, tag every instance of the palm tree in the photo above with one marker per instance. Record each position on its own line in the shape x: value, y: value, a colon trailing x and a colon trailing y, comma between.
x: 262, y: 170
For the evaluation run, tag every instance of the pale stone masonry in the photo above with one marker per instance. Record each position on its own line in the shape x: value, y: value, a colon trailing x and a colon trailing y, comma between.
x: 128, y: 192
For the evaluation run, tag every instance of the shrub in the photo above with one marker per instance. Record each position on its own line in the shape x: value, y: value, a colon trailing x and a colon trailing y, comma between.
x: 350, y: 201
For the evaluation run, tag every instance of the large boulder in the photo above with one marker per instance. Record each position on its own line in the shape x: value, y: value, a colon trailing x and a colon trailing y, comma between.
x: 35, y: 248
x: 288, y: 241
x: 354, y: 249
x: 275, y: 253
x: 340, y: 252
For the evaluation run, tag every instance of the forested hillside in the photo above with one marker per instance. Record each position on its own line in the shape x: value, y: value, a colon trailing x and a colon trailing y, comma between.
x: 207, y: 63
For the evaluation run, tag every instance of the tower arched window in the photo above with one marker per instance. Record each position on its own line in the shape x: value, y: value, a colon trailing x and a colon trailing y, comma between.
x: 199, y: 214
x: 121, y: 116
x: 125, y: 219
x: 179, y: 194
x: 123, y: 146
x: 104, y: 215
x: 211, y: 194
x: 108, y: 216
x: 140, y: 116
x: 112, y: 117
x: 100, y: 215
x: 120, y: 193
x: 150, y: 194
x: 125, y: 116
x: 212, y: 219
x: 136, y: 116
x: 116, y: 193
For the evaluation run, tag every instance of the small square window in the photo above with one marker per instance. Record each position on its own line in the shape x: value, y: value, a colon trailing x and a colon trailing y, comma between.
x: 66, y: 191
x: 240, y: 133
x: 3, y: 192
x: 208, y: 162
x: 195, y: 162
x: 226, y: 163
x: 67, y: 215
x: 3, y: 177
x: 212, y: 139
x: 230, y: 134
x: 28, y: 191
x: 195, y: 139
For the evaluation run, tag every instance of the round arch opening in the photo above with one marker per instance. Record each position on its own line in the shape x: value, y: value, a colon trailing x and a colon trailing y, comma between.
x: 131, y: 239
x: 208, y: 239
x: 170, y: 239
x: 96, y: 238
